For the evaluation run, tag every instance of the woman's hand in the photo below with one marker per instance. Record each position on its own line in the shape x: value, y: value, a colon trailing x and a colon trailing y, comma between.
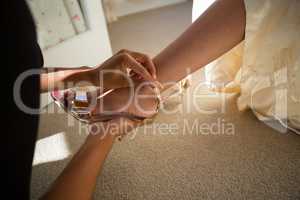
x: 138, y: 102
x: 114, y: 72
x: 117, y: 72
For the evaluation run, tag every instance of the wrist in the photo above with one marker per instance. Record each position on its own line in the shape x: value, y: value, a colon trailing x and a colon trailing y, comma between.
x: 78, y: 77
x: 100, y: 140
x: 109, y: 131
x: 56, y: 80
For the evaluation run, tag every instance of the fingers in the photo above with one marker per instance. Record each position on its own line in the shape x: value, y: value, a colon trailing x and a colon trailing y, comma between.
x: 143, y: 59
x: 85, y: 68
x: 131, y: 63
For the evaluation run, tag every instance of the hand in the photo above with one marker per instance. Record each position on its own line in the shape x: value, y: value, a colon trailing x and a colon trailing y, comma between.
x: 139, y: 102
x: 113, y: 73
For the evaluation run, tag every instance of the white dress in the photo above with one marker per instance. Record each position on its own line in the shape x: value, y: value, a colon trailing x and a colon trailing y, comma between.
x: 265, y: 68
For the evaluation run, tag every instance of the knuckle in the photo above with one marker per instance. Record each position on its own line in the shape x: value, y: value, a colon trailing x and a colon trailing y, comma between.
x: 124, y: 56
x: 123, y: 51
x: 147, y: 57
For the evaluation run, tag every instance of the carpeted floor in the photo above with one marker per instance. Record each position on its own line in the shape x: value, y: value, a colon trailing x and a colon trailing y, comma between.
x: 150, y: 31
x: 251, y: 161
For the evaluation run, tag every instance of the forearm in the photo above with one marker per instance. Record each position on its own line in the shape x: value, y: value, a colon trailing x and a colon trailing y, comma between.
x: 61, y: 78
x: 215, y: 32
x: 78, y: 180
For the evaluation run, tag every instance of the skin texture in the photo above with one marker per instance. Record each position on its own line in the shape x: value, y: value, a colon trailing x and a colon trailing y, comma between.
x: 214, y: 33
x: 62, y: 78
x: 138, y: 102
x: 78, y: 179
x: 218, y: 30
x: 141, y: 102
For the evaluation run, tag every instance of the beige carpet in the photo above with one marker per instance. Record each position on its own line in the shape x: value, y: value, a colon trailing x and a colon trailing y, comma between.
x: 150, y: 31
x: 255, y: 162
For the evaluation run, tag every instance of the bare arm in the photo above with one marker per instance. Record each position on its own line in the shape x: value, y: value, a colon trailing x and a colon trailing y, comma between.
x: 218, y: 30
x: 214, y: 33
x: 63, y: 78
x: 78, y: 179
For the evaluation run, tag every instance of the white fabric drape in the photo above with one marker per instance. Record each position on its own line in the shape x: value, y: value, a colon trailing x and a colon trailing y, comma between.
x: 264, y: 69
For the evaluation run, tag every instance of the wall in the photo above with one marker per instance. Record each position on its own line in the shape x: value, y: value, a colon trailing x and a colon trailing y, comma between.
x: 89, y: 48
